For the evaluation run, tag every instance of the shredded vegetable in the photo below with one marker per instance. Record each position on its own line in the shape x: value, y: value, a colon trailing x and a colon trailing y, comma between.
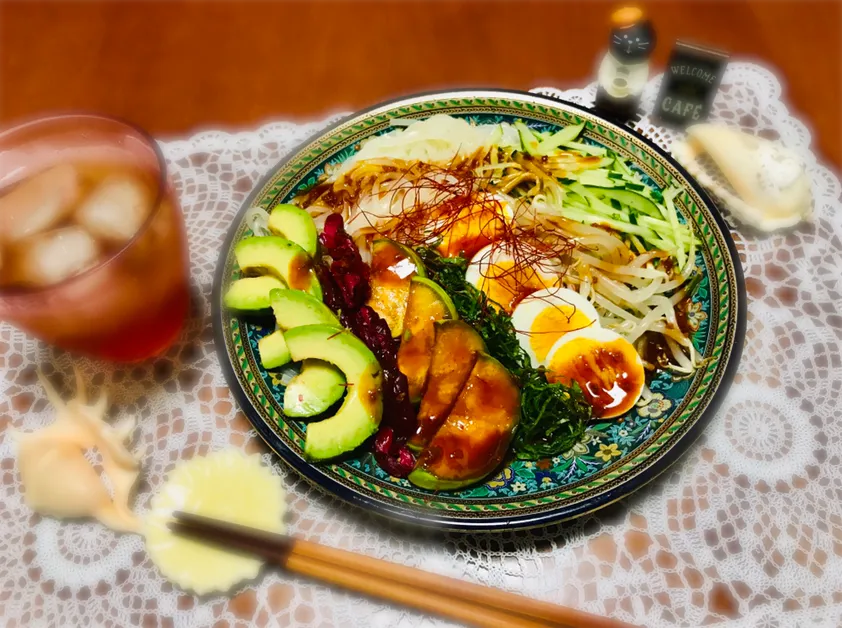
x: 437, y: 140
x: 632, y: 255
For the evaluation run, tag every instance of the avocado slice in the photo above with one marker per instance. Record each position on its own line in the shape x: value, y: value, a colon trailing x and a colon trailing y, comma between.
x: 392, y: 267
x: 427, y: 303
x: 317, y: 387
x: 454, y: 353
x: 273, y: 350
x: 251, y: 294
x: 308, y: 393
x: 474, y: 439
x: 279, y: 257
x: 296, y: 225
x: 294, y: 308
x: 359, y: 415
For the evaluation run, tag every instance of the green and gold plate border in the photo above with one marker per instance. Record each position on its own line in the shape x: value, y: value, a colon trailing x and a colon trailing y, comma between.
x: 606, y: 467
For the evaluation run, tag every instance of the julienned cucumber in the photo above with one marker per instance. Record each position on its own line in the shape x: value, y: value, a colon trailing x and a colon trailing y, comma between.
x: 587, y: 148
x: 560, y: 138
x: 621, y: 167
x: 527, y: 138
x: 538, y: 144
x: 632, y: 199
x: 597, y: 178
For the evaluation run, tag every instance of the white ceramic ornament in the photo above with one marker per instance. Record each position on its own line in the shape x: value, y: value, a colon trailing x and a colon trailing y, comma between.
x: 763, y: 184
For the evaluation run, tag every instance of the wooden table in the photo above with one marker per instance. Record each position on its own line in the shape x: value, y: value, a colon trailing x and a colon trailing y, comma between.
x: 177, y: 66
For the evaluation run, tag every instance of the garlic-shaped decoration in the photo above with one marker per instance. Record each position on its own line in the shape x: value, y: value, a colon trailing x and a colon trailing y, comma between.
x: 763, y: 184
x: 58, y: 479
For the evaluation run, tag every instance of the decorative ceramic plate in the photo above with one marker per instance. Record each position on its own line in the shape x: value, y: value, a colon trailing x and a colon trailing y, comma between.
x: 615, y: 457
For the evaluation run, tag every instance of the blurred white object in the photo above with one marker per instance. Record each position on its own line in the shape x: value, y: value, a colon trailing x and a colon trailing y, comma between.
x: 51, y: 257
x: 762, y: 183
x: 116, y: 208
x: 227, y: 483
x: 60, y: 481
x: 39, y: 203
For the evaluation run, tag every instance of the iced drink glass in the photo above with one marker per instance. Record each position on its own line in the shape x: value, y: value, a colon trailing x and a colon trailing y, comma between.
x: 93, y: 256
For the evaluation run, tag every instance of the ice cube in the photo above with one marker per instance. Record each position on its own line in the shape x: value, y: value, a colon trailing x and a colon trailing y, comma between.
x: 116, y: 208
x: 48, y: 258
x: 39, y: 203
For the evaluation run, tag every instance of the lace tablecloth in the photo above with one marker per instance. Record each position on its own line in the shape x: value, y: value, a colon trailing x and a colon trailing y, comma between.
x: 746, y: 530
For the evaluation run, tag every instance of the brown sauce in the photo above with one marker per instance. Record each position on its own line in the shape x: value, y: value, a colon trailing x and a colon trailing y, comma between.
x: 681, y: 316
x: 476, y: 434
x: 390, y: 267
x: 414, y: 357
x: 655, y: 350
x: 442, y: 390
x: 454, y: 355
x: 300, y: 273
x: 455, y: 456
x: 508, y: 285
x: 605, y: 375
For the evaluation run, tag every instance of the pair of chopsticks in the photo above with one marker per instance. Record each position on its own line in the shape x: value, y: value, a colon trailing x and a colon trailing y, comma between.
x: 470, y: 603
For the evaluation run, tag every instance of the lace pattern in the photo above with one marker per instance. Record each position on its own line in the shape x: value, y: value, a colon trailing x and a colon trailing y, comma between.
x: 746, y: 530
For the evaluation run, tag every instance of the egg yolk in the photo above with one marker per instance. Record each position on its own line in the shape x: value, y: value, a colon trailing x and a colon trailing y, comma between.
x: 551, y: 324
x: 474, y: 228
x: 507, y: 285
x: 610, y: 374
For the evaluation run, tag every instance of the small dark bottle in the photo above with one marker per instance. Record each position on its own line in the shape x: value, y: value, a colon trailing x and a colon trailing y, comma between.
x: 625, y: 67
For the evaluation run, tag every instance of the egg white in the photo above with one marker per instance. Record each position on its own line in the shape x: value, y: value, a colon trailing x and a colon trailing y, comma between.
x: 485, y: 258
x: 528, y: 310
x: 477, y: 273
x: 633, y: 371
x: 598, y: 334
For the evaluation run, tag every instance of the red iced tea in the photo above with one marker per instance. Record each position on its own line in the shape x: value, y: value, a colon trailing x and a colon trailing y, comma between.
x: 92, y: 249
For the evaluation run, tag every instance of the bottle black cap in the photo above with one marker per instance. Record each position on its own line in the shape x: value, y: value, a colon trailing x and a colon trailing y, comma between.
x: 632, y: 36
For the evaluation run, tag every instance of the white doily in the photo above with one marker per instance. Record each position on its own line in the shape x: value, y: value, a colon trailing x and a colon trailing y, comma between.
x: 745, y: 531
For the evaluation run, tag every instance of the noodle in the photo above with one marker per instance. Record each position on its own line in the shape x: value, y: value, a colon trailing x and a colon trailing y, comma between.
x: 441, y: 182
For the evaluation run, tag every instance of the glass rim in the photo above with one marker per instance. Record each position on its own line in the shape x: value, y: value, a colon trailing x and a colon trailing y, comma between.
x: 36, y: 120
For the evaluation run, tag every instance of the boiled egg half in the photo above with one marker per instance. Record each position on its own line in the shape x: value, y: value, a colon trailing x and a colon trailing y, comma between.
x: 476, y: 226
x: 606, y: 366
x: 496, y: 272
x: 548, y: 314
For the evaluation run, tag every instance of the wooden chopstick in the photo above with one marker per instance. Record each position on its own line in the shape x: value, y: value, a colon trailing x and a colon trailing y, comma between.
x: 400, y: 593
x: 464, y: 601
